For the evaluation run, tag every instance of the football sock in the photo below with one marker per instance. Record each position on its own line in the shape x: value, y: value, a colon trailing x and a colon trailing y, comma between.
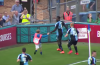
x: 60, y: 46
x: 41, y: 53
x: 69, y: 47
x: 35, y: 51
x: 75, y: 48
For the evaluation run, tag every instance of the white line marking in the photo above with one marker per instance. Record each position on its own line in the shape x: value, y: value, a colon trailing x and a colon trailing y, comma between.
x: 98, y: 60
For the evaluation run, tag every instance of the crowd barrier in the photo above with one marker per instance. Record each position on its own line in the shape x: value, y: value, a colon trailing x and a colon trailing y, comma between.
x: 25, y: 33
x: 12, y: 35
x: 83, y: 32
x: 8, y: 36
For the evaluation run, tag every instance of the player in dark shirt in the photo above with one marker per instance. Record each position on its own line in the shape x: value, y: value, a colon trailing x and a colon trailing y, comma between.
x: 59, y: 32
x: 24, y: 58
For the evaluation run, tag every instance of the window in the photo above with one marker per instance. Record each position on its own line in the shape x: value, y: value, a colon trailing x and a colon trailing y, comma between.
x: 1, y: 2
x: 54, y: 2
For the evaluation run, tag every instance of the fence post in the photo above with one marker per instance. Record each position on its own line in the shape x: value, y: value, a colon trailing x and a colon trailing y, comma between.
x: 57, y: 9
x: 35, y: 11
x: 65, y: 5
x: 31, y: 4
x: 50, y: 11
x: 96, y: 9
x: 77, y: 11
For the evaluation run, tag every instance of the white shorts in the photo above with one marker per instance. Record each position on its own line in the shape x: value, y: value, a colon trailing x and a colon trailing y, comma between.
x: 38, y: 46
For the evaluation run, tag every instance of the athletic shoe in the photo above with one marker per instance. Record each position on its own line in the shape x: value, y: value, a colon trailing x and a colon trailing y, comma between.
x: 70, y: 52
x: 58, y: 49
x: 77, y: 53
x: 62, y: 52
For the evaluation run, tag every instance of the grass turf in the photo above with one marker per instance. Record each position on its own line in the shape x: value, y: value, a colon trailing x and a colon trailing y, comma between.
x: 50, y: 55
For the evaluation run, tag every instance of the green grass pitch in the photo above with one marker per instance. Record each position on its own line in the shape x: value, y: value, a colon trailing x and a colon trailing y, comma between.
x: 50, y: 55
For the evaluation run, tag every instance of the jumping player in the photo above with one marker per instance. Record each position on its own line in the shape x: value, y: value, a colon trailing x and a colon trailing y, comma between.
x: 24, y: 58
x: 73, y: 32
x: 92, y: 60
x: 59, y: 27
x: 37, y: 41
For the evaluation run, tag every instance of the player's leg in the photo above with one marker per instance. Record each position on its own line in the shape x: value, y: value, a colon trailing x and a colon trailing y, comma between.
x: 69, y: 46
x: 36, y: 48
x: 58, y: 49
x: 40, y: 46
x: 60, y: 44
x: 75, y: 47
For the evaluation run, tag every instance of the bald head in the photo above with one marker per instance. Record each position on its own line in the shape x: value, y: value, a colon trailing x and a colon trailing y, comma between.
x: 71, y: 24
x: 16, y: 13
x: 67, y: 9
x: 17, y: 2
x: 5, y: 13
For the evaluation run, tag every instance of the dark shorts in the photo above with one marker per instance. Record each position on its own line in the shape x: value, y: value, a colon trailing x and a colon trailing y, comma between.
x: 72, y: 42
x: 21, y: 63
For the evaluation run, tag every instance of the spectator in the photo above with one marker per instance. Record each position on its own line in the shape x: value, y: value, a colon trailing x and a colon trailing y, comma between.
x: 25, y: 17
x: 92, y: 5
x: 1, y: 21
x: 17, y: 7
x: 90, y: 19
x: 98, y: 19
x: 68, y: 15
x: 16, y: 17
x: 7, y: 18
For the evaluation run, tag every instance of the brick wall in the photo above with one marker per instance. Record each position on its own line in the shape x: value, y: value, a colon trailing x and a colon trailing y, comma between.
x: 7, y: 6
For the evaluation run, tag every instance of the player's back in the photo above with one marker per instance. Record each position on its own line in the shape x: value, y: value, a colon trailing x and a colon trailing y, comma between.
x: 24, y: 58
x: 73, y: 33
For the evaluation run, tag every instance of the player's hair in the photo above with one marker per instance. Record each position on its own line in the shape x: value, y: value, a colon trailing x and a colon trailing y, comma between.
x: 58, y: 17
x: 38, y: 31
x: 93, y: 51
x: 24, y: 49
x: 71, y: 24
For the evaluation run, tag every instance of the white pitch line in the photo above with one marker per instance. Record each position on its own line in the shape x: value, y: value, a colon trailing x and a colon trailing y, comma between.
x: 98, y: 60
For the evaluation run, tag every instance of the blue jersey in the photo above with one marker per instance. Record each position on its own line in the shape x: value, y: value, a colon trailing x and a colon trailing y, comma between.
x: 92, y: 60
x: 38, y: 35
x: 73, y: 32
x: 59, y: 28
x: 24, y: 58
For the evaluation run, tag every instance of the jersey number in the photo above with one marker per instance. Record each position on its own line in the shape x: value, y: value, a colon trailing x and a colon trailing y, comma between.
x: 24, y: 59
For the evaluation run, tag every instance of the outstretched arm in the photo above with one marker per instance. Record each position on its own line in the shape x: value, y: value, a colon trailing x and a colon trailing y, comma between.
x: 44, y: 36
x: 67, y: 33
x: 54, y: 29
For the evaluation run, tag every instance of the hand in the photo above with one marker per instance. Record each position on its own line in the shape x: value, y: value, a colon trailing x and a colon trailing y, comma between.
x: 91, y: 7
x: 48, y: 33
x: 66, y: 35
